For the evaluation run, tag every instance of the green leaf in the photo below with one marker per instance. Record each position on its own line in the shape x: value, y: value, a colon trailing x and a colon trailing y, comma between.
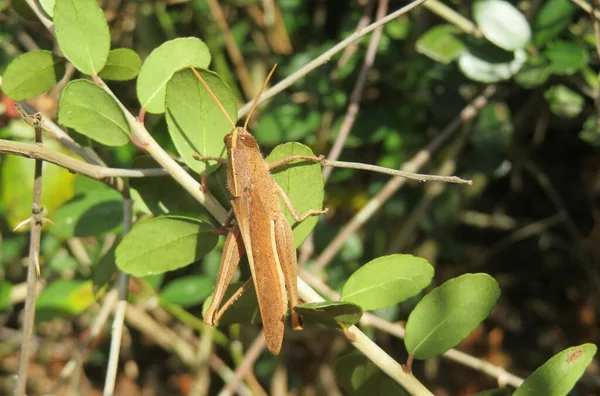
x: 91, y: 111
x: 590, y: 133
x: 17, y: 186
x: 449, y: 313
x: 566, y: 57
x: 441, y: 43
x: 387, y: 281
x: 64, y: 298
x: 558, y: 375
x: 243, y: 310
x: 160, y: 65
x: 48, y: 7
x: 303, y: 183
x: 552, y: 19
x: 164, y: 244
x: 5, y: 290
x: 535, y: 72
x: 493, y: 392
x: 122, y: 64
x: 488, y: 64
x: 196, y: 124
x: 82, y: 34
x: 359, y: 376
x: 502, y: 24
x: 92, y: 214
x: 31, y: 74
x: 187, y: 291
x: 563, y: 101
x: 333, y: 314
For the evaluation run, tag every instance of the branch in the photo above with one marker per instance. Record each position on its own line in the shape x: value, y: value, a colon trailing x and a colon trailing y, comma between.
x: 416, y: 162
x: 326, y: 56
x: 37, y: 213
x: 98, y: 172
x: 356, y: 95
x: 250, y: 357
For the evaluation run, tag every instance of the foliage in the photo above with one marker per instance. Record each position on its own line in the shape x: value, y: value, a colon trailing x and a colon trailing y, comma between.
x: 529, y: 150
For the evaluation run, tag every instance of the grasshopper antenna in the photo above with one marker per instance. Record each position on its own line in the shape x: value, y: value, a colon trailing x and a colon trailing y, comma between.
x: 214, y: 97
x: 255, y: 103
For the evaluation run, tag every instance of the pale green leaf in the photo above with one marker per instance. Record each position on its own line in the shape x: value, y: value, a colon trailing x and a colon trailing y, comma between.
x: 82, y: 34
x: 502, y: 24
x: 441, y: 43
x: 162, y: 63
x: 488, y: 64
x: 31, y: 74
x: 122, y: 64
x: 303, y: 183
x: 164, y: 244
x: 91, y: 111
x: 63, y: 298
x: 449, y: 313
x: 196, y: 123
x: 564, y: 102
x: 560, y: 373
x: 387, y: 280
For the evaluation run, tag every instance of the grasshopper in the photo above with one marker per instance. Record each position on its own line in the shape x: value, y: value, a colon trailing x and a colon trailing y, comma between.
x: 262, y: 231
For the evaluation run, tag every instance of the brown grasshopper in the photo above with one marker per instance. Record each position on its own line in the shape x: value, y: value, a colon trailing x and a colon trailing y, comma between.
x: 262, y: 231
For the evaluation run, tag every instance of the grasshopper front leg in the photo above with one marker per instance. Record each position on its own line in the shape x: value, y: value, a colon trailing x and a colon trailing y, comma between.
x: 290, y: 206
x: 232, y: 253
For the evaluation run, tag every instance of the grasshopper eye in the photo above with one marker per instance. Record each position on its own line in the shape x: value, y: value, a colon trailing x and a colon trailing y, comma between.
x: 248, y: 141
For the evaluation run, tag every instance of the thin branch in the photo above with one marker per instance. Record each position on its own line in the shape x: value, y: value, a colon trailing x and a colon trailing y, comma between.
x: 356, y: 95
x: 370, y: 349
x: 326, y: 56
x: 416, y: 162
x: 117, y: 328
x: 369, y: 320
x: 587, y: 7
x: 98, y: 172
x: 250, y: 357
x: 33, y: 269
x: 453, y: 17
x: 232, y: 48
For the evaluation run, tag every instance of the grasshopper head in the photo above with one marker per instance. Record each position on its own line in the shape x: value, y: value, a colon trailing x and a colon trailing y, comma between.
x: 240, y: 137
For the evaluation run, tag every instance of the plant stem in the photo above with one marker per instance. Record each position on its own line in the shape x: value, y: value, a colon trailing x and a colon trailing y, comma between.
x: 37, y: 213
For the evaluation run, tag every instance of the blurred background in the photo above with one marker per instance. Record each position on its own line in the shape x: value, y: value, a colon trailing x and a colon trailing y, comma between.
x: 530, y: 219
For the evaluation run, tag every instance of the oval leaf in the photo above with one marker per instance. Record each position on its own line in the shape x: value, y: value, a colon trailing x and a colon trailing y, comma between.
x: 489, y: 64
x: 163, y: 244
x: 333, y: 314
x: 122, y: 64
x: 48, y: 7
x: 196, y: 124
x: 5, y: 291
x: 535, y: 72
x: 303, y: 183
x: 63, y: 298
x: 502, y: 24
x: 92, y: 214
x: 243, y: 310
x: 387, y: 280
x: 558, y: 375
x: 441, y: 43
x: 160, y: 66
x: 82, y: 33
x: 187, y: 291
x: 31, y: 74
x: 91, y: 111
x: 359, y: 376
x: 564, y: 102
x: 449, y: 313
x: 566, y: 57
x: 552, y: 19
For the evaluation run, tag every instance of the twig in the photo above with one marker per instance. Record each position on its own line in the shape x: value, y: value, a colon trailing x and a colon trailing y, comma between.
x: 587, y: 7
x: 326, y: 56
x: 370, y: 349
x: 201, y: 384
x: 117, y: 328
x: 453, y: 17
x: 251, y: 355
x: 356, y: 95
x: 232, y: 48
x: 98, y: 172
x: 370, y: 320
x: 107, y: 308
x: 416, y: 162
x: 37, y: 213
